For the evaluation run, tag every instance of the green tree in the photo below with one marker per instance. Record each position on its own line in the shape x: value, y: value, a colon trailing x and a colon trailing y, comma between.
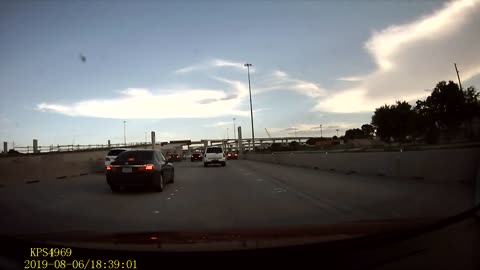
x: 395, y: 121
x: 368, y: 130
x: 446, y: 108
x: 355, y: 133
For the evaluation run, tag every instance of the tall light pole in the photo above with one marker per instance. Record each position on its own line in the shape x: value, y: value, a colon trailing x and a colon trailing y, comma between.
x: 234, y: 133
x: 124, y: 136
x: 321, y: 132
x: 228, y: 135
x: 337, y: 132
x: 251, y: 110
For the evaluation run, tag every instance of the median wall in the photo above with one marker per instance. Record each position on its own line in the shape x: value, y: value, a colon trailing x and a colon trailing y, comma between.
x: 27, y: 168
x: 442, y: 165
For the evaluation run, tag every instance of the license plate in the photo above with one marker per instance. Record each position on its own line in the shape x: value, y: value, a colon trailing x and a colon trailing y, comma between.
x: 126, y: 170
x: 215, y: 160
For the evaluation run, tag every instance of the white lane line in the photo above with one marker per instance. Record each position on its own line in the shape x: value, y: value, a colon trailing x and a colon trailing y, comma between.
x: 169, y: 198
x: 156, y: 212
x: 279, y: 190
x: 171, y: 194
x: 259, y: 179
x: 247, y: 174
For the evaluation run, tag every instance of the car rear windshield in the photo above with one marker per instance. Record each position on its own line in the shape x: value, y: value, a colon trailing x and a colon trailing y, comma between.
x: 137, y: 156
x: 115, y: 152
x: 214, y: 150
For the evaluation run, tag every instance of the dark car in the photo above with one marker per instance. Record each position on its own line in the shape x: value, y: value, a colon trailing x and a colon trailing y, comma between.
x: 140, y: 168
x: 232, y: 155
x: 196, y: 156
x: 174, y: 157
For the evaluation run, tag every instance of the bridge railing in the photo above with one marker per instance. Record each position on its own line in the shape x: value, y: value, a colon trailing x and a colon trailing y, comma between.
x: 74, y: 147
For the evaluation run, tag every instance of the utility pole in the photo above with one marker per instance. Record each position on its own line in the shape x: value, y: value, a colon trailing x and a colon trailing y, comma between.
x: 337, y: 132
x: 321, y: 132
x: 251, y: 110
x: 228, y: 135
x: 458, y: 76
x: 124, y: 134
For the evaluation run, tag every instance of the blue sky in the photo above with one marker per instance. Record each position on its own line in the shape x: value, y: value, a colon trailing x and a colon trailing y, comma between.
x: 177, y: 68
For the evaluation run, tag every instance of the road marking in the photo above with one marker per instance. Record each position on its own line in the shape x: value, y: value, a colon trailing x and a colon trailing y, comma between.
x: 259, y: 179
x: 176, y: 190
x: 171, y: 194
x: 156, y: 212
x: 169, y: 198
x: 279, y: 190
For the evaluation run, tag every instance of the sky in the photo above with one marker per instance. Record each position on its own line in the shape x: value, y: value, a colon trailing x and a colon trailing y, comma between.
x: 71, y: 72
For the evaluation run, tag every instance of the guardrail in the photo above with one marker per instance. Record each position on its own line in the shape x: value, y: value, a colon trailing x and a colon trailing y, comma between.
x: 74, y: 148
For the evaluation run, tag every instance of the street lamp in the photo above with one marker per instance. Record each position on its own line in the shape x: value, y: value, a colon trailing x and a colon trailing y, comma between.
x: 321, y: 132
x: 124, y: 136
x: 228, y: 135
x: 251, y: 110
x: 234, y: 133
x: 337, y: 133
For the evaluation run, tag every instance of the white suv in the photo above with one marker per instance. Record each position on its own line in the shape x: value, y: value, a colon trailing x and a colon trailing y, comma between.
x: 214, y: 155
x: 112, y: 155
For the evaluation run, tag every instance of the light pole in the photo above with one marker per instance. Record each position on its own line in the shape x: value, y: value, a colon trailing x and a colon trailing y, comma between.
x: 337, y: 133
x: 124, y: 136
x: 228, y: 135
x: 321, y: 132
x: 251, y: 110
x: 234, y: 133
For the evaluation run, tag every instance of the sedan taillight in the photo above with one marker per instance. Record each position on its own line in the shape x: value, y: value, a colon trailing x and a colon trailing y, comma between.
x: 109, y: 168
x: 149, y: 167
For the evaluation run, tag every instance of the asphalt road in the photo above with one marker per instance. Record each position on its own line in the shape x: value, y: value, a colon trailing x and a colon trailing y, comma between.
x: 244, y: 194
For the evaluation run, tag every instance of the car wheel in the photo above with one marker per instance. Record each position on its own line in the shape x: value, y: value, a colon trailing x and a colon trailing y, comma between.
x: 115, y: 188
x: 205, y: 164
x: 224, y: 164
x: 159, y: 184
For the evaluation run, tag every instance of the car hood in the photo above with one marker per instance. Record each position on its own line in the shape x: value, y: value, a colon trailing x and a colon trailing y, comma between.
x: 227, y: 239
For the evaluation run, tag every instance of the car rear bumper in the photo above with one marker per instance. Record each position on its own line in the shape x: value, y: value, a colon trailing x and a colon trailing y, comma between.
x: 130, y: 179
x: 211, y: 161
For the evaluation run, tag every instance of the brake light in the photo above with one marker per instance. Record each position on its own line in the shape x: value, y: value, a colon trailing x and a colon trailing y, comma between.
x: 149, y: 167
x: 131, y: 159
x: 109, y: 168
x: 192, y: 156
x: 229, y: 155
x: 236, y: 154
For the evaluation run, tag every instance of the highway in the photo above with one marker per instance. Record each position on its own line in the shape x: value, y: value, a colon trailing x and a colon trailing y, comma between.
x: 244, y: 194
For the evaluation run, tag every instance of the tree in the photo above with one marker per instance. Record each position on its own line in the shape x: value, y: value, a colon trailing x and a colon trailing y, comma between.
x: 395, y: 121
x: 446, y: 108
x: 368, y: 130
x: 355, y: 133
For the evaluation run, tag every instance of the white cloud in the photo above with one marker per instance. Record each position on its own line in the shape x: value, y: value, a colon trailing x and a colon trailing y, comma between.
x: 413, y: 57
x: 351, y: 79
x: 219, y: 124
x: 280, y: 80
x: 136, y: 103
x: 214, y: 63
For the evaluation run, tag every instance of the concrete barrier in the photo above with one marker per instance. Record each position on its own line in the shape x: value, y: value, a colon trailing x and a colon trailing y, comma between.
x: 30, y: 168
x: 445, y: 165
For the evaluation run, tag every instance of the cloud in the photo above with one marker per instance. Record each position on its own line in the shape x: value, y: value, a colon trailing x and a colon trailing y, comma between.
x: 214, y: 63
x: 413, y: 57
x: 280, y: 80
x: 351, y: 79
x: 145, y: 104
x: 219, y: 124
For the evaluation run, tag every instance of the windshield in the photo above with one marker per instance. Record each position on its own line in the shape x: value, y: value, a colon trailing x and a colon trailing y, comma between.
x: 214, y: 150
x: 137, y: 156
x: 115, y: 152
x: 270, y: 115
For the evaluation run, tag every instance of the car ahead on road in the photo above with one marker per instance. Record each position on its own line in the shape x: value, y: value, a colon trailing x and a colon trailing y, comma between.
x: 214, y: 155
x: 112, y: 154
x: 140, y: 168
x: 232, y: 155
x: 174, y: 157
x: 196, y: 156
